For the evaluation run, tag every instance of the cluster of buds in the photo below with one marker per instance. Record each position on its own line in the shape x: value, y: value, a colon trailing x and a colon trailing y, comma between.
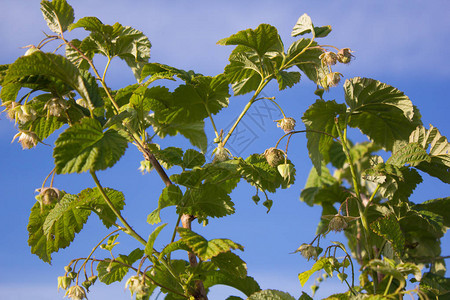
x: 274, y: 156
x: 137, y: 286
x: 309, y: 251
x: 55, y: 107
x: 221, y: 154
x: 27, y: 139
x: 48, y: 195
x: 76, y: 292
x: 287, y: 124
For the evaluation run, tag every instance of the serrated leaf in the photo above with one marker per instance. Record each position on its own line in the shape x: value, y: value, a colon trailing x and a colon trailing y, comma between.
x: 440, y: 206
x: 54, y: 68
x: 174, y: 246
x: 168, y: 157
x: 55, y: 227
x: 319, y: 120
x: 247, y: 285
x: 58, y: 14
x: 171, y: 195
x: 438, y: 285
x: 93, y: 200
x: 439, y: 151
x: 205, y: 249
x: 247, y: 85
x: 411, y: 154
x: 206, y: 200
x: 287, y: 79
x: 230, y: 263
x: 270, y: 295
x: 305, y: 296
x: 262, y: 39
x: 44, y: 127
x: 380, y: 111
x: 192, y: 159
x: 112, y: 271
x: 389, y: 228
x: 151, y: 240
x: 307, y: 59
x: 85, y: 146
x: 303, y: 25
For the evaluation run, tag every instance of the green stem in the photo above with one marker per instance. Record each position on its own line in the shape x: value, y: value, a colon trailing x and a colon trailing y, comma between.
x: 371, y: 198
x: 261, y: 86
x: 274, y: 102
x: 286, y: 66
x: 106, y: 69
x: 129, y: 230
x: 95, y: 248
x: 388, y: 285
x: 212, y: 120
x: 303, y: 131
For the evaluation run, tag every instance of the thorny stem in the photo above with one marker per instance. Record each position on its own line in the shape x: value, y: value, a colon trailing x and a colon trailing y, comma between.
x: 93, y: 250
x: 129, y: 230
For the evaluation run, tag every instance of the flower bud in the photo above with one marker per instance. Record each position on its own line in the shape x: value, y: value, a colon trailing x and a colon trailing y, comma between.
x: 287, y: 124
x: 136, y: 285
x: 308, y: 251
x: 32, y: 49
x: 328, y: 58
x: 93, y: 279
x: 55, y: 107
x: 86, y: 284
x: 27, y: 139
x: 64, y: 282
x: 25, y: 113
x: 274, y: 156
x: 345, y: 55
x: 76, y: 292
x: 221, y: 154
x: 66, y: 268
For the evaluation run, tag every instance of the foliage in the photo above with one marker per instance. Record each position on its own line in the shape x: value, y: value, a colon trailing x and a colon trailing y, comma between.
x: 360, y: 193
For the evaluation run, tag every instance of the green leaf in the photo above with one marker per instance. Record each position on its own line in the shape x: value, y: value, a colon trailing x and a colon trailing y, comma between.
x: 303, y: 25
x: 55, y: 227
x: 411, y: 154
x: 287, y: 79
x: 305, y: 296
x: 247, y: 85
x: 110, y: 271
x: 305, y: 55
x: 439, y: 151
x: 168, y: 157
x: 171, y: 195
x: 247, y: 285
x: 259, y: 173
x: 192, y: 159
x: 174, y: 246
x: 206, y: 200
x: 389, y: 228
x: 320, y: 124
x: 93, y: 200
x: 151, y: 240
x: 111, y: 243
x: 205, y: 249
x: 75, y: 57
x: 440, y: 206
x: 56, y: 68
x: 58, y: 14
x: 231, y: 264
x: 318, y: 265
x: 85, y: 146
x: 438, y: 285
x: 380, y: 111
x: 44, y: 127
x: 270, y: 295
x: 263, y: 39
x: 314, y: 183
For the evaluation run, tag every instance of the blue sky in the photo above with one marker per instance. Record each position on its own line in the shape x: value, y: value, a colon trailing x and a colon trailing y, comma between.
x: 402, y: 43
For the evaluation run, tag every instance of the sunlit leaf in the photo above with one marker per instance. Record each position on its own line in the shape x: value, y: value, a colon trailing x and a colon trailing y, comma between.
x: 389, y: 228
x: 58, y: 14
x: 270, y: 295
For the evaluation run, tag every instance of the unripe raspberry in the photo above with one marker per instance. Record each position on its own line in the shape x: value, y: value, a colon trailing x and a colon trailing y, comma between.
x: 287, y: 124
x: 221, y: 154
x: 136, y: 285
x: 49, y: 195
x: 328, y: 58
x: 308, y: 251
x: 274, y: 156
x: 345, y: 55
x: 27, y: 139
x: 25, y: 113
x: 76, y: 292
x: 331, y: 80
x: 55, y: 107
x: 337, y: 224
